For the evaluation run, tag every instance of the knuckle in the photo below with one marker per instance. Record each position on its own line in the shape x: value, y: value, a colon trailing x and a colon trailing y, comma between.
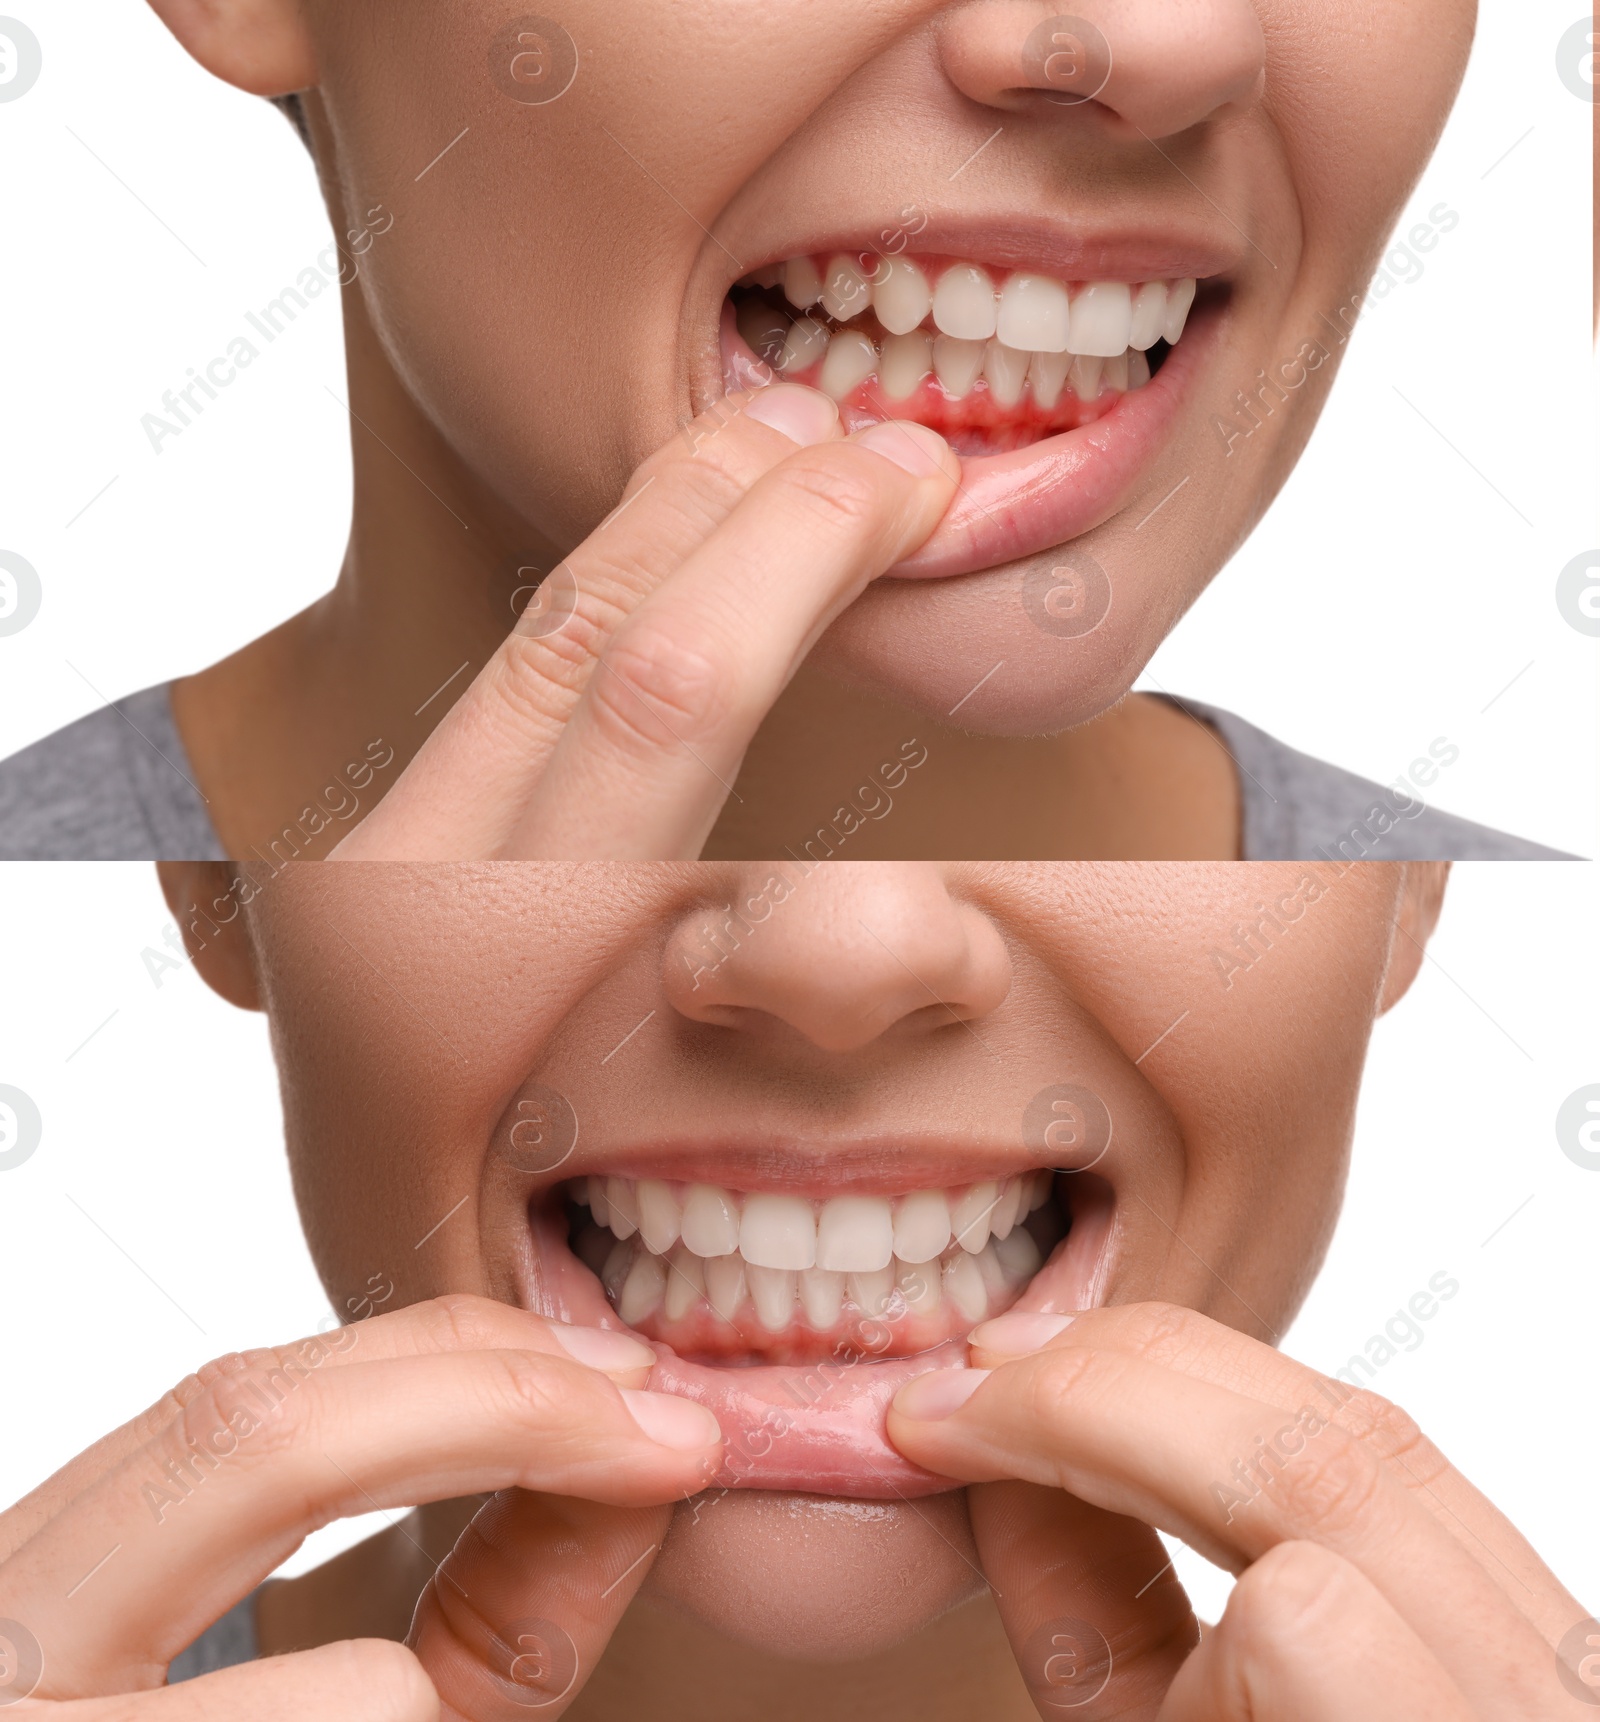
x: 534, y: 1389
x: 458, y: 1321
x: 534, y: 676
x: 1056, y: 1382
x: 1158, y: 1332
x: 1328, y: 1490
x: 1393, y: 1434
x: 255, y: 1410
x: 653, y: 689
x: 836, y: 491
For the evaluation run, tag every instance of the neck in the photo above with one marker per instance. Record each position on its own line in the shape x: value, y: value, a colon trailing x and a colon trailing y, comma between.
x: 296, y: 737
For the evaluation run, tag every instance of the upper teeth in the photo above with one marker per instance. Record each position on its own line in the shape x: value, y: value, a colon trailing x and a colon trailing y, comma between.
x: 1009, y: 335
x: 773, y: 1247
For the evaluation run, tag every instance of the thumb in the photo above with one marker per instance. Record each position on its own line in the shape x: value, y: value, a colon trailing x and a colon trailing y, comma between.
x: 1097, y: 1620
x: 522, y: 1608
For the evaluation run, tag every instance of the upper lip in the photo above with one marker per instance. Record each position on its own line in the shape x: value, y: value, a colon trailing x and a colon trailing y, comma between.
x: 885, y: 1166
x: 1128, y: 251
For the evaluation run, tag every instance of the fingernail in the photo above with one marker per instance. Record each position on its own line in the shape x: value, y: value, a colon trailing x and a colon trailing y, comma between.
x: 938, y: 1393
x: 600, y: 1348
x: 805, y: 416
x: 1018, y: 1333
x: 672, y: 1422
x: 912, y: 447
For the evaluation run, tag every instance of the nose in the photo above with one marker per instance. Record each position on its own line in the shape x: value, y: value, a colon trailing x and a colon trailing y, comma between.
x: 843, y: 956
x: 1147, y: 66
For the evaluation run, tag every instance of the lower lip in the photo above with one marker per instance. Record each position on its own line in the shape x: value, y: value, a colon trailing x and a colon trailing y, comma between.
x: 1013, y: 505
x: 813, y: 1428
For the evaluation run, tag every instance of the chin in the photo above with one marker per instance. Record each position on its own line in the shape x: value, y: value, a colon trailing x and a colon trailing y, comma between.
x: 969, y: 651
x: 816, y: 1578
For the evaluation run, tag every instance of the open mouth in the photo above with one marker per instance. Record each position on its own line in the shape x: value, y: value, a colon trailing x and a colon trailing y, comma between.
x: 795, y: 1314
x: 1056, y: 393
x: 991, y: 363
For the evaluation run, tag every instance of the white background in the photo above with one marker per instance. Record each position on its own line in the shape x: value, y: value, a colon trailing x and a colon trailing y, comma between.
x: 1401, y: 590
x: 154, y: 1226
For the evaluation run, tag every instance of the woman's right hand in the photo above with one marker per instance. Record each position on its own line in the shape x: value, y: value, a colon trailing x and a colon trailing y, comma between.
x: 611, y: 724
x: 122, y: 1559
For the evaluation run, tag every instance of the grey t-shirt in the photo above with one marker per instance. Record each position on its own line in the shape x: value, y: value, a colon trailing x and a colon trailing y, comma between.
x: 224, y: 1644
x: 117, y: 786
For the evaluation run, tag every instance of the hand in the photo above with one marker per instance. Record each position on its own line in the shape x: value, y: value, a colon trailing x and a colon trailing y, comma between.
x: 611, y: 724
x: 127, y: 1554
x: 1375, y: 1583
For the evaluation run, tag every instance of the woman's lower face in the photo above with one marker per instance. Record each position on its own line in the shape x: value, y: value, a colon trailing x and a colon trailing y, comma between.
x: 1112, y: 306
x: 803, y: 1129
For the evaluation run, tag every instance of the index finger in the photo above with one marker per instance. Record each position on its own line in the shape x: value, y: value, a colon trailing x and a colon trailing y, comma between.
x: 459, y: 798
x: 1184, y: 1340
x: 1135, y: 1438
x: 456, y: 1322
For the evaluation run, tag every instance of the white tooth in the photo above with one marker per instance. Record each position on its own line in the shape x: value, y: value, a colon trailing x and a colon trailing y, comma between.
x: 778, y: 1232
x: 918, y: 1286
x: 1115, y: 375
x: 1102, y: 313
x: 1180, y: 296
x: 1047, y: 372
x: 686, y: 1282
x: 1033, y: 314
x: 772, y: 1292
x: 725, y: 1284
x: 969, y: 1216
x: 624, y: 1206
x: 659, y: 1215
x: 901, y: 295
x: 845, y: 293
x: 1149, y: 315
x: 855, y: 1234
x: 994, y: 1276
x: 821, y: 1294
x: 1086, y: 377
x: 870, y: 1293
x: 710, y: 1220
x: 921, y: 1226
x: 598, y: 1206
x: 1004, y: 1216
x: 802, y: 283
x: 957, y: 363
x: 616, y: 1268
x: 642, y: 1289
x: 1042, y: 1181
x: 1007, y: 372
x: 805, y: 345
x: 1138, y: 369
x: 1019, y: 1255
x: 906, y: 360
x: 963, y: 303
x: 851, y: 359
x: 963, y: 1285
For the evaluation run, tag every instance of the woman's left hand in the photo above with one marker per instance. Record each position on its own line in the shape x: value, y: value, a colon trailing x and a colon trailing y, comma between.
x: 1374, y: 1581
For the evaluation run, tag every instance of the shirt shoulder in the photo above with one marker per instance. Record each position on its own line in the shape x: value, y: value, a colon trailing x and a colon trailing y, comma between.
x: 114, y: 786
x: 1299, y: 808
